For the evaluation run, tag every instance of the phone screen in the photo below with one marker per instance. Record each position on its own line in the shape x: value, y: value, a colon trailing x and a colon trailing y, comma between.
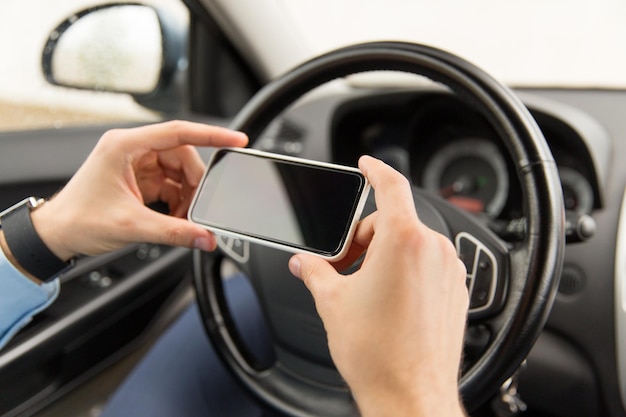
x: 292, y: 203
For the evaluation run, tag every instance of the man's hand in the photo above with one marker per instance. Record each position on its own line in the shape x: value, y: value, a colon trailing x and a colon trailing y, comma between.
x: 395, y: 327
x: 103, y: 207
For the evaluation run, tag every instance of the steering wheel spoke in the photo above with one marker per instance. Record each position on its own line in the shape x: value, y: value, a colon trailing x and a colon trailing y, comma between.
x: 485, y: 255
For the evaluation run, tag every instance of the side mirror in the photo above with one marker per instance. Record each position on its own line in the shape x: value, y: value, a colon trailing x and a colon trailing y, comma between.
x: 123, y: 48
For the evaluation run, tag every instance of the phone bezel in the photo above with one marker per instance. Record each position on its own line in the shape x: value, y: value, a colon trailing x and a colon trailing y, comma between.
x: 277, y: 244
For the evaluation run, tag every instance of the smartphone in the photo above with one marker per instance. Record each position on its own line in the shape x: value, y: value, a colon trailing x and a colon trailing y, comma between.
x: 288, y: 203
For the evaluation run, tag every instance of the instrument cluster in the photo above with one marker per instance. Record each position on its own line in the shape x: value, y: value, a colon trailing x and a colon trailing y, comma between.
x: 445, y: 146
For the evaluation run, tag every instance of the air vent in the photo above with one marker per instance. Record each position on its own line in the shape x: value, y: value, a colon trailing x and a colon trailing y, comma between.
x: 572, y: 280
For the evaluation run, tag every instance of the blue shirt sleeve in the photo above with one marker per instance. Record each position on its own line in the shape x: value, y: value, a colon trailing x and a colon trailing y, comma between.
x: 20, y: 299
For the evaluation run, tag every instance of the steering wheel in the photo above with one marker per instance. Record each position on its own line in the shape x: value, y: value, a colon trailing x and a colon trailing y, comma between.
x: 512, y: 286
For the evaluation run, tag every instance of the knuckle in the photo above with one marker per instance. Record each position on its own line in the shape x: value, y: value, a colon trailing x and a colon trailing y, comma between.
x: 446, y: 246
x: 410, y: 236
x: 462, y: 269
x: 415, y: 235
x: 110, y: 136
x: 112, y: 140
x: 420, y: 237
x: 173, y: 236
x: 175, y: 126
x: 399, y: 180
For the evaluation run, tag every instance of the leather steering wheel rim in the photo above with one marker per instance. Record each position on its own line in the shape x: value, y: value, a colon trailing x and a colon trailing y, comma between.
x: 535, y: 264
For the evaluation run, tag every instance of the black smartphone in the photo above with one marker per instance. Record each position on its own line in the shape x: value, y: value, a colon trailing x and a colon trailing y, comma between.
x: 284, y: 202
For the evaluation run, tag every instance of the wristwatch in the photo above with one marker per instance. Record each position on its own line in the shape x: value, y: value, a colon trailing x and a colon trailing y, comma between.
x: 25, y: 244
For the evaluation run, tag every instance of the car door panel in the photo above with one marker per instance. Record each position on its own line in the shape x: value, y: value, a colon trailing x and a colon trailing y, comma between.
x: 106, y: 303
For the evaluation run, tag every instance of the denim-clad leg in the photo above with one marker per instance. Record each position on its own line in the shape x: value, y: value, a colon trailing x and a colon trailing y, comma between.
x: 182, y: 376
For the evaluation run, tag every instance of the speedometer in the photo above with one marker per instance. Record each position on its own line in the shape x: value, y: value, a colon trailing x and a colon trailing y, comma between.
x: 471, y: 173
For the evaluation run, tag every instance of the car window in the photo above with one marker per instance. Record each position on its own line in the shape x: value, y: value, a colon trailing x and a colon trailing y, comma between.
x: 30, y: 101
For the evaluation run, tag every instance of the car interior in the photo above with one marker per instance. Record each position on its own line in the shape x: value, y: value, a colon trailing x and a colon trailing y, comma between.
x: 525, y: 179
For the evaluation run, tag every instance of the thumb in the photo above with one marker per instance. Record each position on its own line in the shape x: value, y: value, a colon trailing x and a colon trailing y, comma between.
x: 314, y: 271
x: 174, y: 231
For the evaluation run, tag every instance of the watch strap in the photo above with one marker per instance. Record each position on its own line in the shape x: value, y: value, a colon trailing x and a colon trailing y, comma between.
x: 27, y: 247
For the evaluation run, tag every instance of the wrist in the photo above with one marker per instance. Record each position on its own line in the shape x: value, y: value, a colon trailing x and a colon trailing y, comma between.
x: 50, y: 228
x: 24, y: 247
x: 401, y: 407
x: 409, y: 403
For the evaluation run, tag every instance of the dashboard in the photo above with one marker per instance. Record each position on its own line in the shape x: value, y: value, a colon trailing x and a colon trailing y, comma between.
x: 443, y: 145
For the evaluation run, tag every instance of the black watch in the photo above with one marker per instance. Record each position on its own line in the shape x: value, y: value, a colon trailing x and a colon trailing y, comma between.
x: 25, y: 244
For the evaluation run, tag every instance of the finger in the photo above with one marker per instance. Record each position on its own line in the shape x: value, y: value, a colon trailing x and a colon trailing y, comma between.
x: 365, y: 230
x: 186, y: 196
x: 392, y: 189
x: 163, y: 229
x: 360, y: 242
x: 182, y: 164
x: 314, y: 271
x: 168, y: 135
x: 172, y: 195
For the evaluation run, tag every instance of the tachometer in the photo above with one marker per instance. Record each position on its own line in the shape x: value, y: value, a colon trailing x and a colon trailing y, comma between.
x: 471, y: 173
